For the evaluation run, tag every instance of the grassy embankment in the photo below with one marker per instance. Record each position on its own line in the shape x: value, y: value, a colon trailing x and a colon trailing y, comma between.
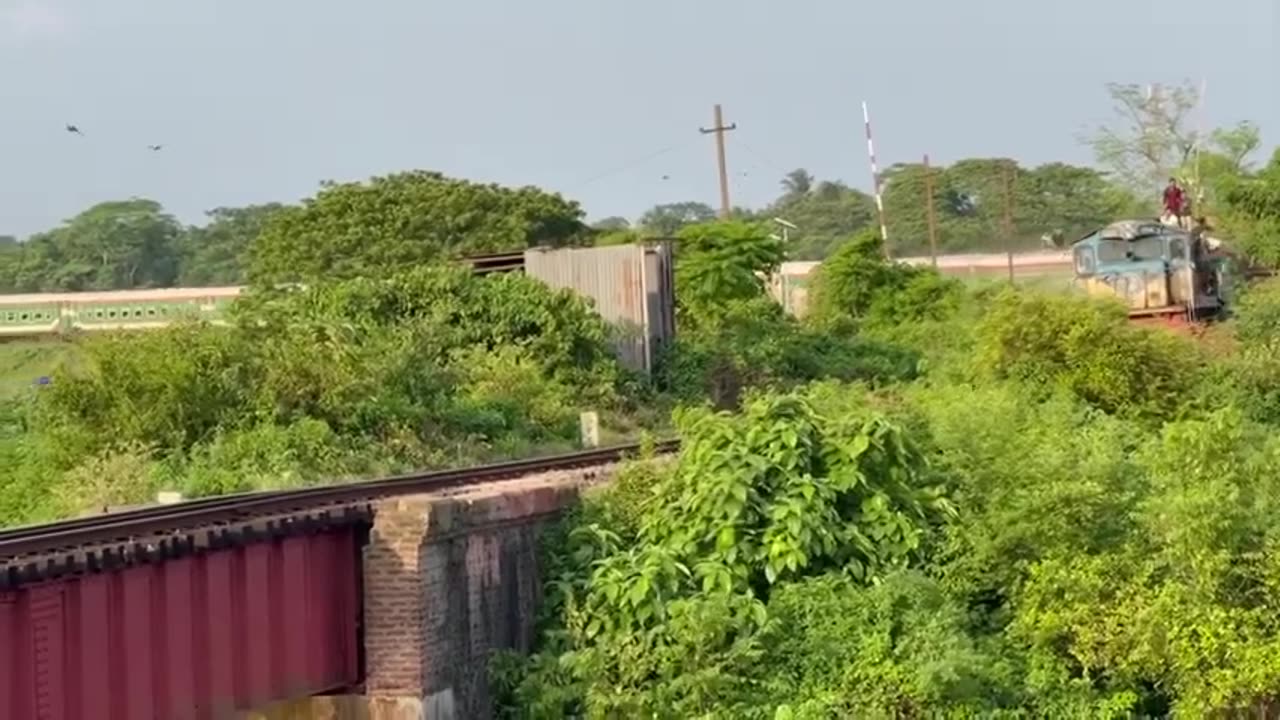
x: 23, y: 362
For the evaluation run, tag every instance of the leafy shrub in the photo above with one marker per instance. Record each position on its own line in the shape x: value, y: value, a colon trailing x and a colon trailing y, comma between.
x: 170, y: 388
x: 675, y: 621
x: 265, y: 457
x: 1187, y: 603
x: 723, y: 262
x: 857, y: 284
x: 900, y: 648
x: 734, y: 337
x: 115, y: 477
x: 1257, y: 317
x: 423, y: 368
x: 1088, y: 348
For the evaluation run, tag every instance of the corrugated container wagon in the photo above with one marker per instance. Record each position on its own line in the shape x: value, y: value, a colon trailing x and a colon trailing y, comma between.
x: 631, y: 286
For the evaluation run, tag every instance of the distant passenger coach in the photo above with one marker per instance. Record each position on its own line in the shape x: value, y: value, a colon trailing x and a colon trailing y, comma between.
x: 58, y: 313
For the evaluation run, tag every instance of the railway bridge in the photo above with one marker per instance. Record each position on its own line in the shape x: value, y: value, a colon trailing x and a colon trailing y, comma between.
x: 378, y: 600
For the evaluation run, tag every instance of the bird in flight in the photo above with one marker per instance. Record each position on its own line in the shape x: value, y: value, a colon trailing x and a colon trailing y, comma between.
x: 74, y: 129
x: 154, y: 148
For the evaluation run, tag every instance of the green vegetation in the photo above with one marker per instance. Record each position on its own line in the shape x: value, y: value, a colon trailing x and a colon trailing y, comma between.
x: 926, y: 498
x: 429, y: 367
x: 1053, y: 513
x: 22, y: 363
x: 1061, y: 515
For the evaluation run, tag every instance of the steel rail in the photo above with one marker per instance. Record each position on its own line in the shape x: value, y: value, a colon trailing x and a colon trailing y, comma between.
x: 132, y: 525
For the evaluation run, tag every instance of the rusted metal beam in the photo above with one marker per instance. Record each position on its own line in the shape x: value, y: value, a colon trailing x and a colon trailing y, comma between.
x: 150, y: 526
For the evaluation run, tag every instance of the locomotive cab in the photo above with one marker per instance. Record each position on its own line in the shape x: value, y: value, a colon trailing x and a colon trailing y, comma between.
x: 1156, y: 270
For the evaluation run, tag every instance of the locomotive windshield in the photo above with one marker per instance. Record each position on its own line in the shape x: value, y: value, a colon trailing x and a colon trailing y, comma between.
x: 1147, y: 248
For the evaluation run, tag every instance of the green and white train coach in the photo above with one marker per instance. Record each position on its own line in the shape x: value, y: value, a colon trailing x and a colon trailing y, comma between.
x: 52, y: 314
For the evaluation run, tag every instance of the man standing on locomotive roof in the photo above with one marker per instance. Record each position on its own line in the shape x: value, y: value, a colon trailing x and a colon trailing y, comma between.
x: 1175, y: 201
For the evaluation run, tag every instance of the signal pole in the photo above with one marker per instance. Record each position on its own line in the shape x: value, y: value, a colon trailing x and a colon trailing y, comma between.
x: 720, y: 129
x: 933, y: 221
x: 875, y: 181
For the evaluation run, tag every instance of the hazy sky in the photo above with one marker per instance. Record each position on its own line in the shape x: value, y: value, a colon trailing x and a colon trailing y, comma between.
x: 258, y: 100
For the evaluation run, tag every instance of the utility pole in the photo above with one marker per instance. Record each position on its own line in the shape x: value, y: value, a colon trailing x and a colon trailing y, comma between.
x: 720, y: 129
x: 1008, y: 216
x: 933, y: 221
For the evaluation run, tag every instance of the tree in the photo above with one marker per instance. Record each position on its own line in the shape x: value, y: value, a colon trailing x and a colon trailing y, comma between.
x: 611, y: 223
x: 1151, y: 139
x: 10, y: 258
x: 825, y: 213
x: 667, y: 220
x: 969, y: 204
x: 857, y: 284
x: 797, y: 182
x: 1237, y: 144
x: 723, y: 261
x: 397, y: 221
x: 111, y: 246
x: 1251, y: 212
x: 217, y: 253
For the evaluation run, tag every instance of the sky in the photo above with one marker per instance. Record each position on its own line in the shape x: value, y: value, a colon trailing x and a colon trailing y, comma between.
x: 260, y: 100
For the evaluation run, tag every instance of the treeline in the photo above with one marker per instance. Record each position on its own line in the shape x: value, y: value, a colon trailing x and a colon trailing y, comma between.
x: 418, y: 217
x: 136, y: 244
x: 969, y: 208
x: 403, y: 219
x: 979, y: 204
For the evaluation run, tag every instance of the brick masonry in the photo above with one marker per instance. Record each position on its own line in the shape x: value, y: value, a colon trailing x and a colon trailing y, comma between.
x: 448, y: 579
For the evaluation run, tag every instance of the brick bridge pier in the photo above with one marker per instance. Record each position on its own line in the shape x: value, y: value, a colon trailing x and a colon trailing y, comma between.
x: 448, y: 578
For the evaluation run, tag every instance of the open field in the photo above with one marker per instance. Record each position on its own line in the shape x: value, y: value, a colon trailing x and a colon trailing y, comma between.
x: 23, y: 362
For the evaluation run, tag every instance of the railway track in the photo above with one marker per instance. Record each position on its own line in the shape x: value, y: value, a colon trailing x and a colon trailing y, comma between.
x: 150, y: 527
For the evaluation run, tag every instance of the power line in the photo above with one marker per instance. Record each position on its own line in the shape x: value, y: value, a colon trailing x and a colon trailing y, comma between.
x: 759, y: 156
x: 628, y: 166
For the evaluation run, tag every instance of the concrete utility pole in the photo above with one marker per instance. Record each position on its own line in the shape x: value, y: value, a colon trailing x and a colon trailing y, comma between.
x: 933, y: 221
x: 1008, y: 216
x: 720, y: 129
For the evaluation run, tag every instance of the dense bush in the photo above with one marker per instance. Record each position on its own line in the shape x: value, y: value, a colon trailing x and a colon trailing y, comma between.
x: 1089, y: 348
x: 1075, y: 564
x: 424, y: 368
x: 733, y: 335
x: 856, y: 284
x: 668, y: 613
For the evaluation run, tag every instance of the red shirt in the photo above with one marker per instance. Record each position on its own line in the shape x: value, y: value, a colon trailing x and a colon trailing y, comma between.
x: 1173, y: 199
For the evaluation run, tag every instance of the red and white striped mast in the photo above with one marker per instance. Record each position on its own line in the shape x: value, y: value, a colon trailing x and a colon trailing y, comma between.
x: 875, y: 180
